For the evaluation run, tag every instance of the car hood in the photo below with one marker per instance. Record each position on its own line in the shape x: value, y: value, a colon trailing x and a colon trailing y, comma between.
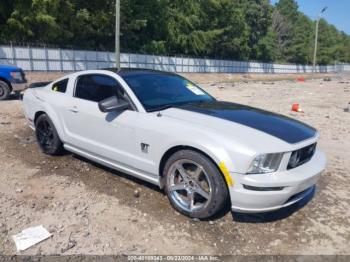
x: 9, y: 68
x: 284, y: 128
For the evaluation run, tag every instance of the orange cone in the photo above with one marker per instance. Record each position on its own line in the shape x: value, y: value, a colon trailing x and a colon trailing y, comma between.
x: 301, y: 79
x: 296, y: 108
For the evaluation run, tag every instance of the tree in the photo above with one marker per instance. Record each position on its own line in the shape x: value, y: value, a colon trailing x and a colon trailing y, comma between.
x: 6, y: 8
x: 267, y: 47
x: 40, y: 21
x: 229, y: 29
x: 258, y: 18
x: 300, y: 48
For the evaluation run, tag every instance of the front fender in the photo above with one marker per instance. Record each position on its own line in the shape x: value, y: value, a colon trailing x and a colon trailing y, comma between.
x: 202, y: 143
x: 217, y: 153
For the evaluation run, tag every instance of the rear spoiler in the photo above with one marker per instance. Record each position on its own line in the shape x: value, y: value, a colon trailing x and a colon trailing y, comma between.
x: 39, y: 84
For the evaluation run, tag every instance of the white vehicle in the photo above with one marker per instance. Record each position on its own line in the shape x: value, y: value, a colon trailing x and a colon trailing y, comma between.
x: 164, y: 129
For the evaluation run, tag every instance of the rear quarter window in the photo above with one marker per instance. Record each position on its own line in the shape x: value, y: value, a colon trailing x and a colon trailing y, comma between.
x: 60, y: 86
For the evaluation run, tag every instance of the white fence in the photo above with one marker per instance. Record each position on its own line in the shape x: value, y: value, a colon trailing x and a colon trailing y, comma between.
x: 48, y: 59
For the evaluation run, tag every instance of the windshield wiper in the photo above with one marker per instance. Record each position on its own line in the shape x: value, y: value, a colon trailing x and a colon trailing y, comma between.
x: 161, y: 108
x: 167, y: 106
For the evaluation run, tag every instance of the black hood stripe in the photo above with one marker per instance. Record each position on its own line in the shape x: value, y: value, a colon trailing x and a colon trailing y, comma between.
x: 282, y: 127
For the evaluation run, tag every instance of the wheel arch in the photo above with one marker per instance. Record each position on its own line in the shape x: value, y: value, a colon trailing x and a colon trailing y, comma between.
x: 53, y: 118
x: 177, y: 148
x: 37, y: 114
x: 7, y: 82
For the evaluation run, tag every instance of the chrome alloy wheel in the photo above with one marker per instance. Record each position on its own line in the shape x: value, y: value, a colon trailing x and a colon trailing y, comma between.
x: 189, y: 185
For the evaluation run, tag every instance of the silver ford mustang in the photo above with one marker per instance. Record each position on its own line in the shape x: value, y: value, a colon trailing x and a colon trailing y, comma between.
x: 163, y: 128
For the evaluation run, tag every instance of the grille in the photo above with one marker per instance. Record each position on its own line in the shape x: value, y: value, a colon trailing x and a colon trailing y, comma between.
x: 301, y: 156
x: 23, y: 76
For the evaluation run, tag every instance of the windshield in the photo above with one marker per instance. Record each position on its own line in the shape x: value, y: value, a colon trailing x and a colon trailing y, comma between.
x: 160, y: 91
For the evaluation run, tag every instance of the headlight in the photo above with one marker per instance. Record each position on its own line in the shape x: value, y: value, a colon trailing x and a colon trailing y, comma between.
x: 17, y: 76
x: 265, y: 163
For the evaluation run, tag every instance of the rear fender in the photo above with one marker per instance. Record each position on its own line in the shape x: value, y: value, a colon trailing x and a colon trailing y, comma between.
x: 56, y: 121
x: 34, y: 103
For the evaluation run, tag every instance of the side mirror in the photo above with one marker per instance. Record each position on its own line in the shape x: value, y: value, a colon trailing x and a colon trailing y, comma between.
x: 113, y: 104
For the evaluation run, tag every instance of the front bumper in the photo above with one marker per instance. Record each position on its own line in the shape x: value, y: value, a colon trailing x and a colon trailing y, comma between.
x: 18, y: 87
x: 297, y: 184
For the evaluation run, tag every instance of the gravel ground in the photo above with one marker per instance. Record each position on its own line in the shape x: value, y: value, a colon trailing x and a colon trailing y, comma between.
x: 93, y: 210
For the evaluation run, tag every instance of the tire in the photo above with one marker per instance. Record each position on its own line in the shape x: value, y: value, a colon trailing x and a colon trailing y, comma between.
x: 47, y: 136
x: 194, y: 185
x: 5, y: 90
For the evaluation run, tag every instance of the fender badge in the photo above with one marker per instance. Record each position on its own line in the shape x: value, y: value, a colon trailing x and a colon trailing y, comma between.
x: 144, y: 148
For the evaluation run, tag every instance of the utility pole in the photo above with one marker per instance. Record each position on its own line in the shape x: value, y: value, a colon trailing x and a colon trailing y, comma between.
x: 316, y: 38
x: 117, y: 33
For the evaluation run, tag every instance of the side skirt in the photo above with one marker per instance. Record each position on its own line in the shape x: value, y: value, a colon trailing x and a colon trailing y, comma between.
x: 130, y: 171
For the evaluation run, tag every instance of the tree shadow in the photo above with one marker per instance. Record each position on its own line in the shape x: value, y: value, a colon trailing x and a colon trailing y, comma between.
x: 139, y: 182
x: 236, y: 216
x: 14, y: 97
x: 118, y: 173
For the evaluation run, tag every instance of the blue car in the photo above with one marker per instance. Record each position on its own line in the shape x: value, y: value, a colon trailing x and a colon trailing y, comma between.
x: 12, y: 79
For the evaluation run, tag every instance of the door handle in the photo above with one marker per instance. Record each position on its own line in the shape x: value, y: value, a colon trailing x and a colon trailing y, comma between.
x: 74, y: 109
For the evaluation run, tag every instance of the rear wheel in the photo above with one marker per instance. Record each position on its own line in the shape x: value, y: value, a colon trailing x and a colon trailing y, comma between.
x: 5, y: 90
x: 47, y: 136
x: 194, y: 185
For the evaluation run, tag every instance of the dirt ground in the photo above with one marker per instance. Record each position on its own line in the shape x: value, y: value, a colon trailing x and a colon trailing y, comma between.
x: 90, y: 209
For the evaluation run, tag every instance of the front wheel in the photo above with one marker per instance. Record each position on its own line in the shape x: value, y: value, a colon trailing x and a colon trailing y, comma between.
x: 194, y: 185
x: 4, y: 90
x: 47, y: 136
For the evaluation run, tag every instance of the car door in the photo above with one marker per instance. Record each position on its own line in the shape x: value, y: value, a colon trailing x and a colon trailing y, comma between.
x: 106, y: 135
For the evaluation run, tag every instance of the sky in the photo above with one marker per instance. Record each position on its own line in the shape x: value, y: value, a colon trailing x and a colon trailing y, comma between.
x: 337, y: 14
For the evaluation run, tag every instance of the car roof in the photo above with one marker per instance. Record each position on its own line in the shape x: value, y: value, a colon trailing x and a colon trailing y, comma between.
x: 124, y: 72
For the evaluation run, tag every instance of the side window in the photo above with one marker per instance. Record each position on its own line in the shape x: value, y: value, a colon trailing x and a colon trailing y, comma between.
x: 60, y: 86
x: 96, y: 87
